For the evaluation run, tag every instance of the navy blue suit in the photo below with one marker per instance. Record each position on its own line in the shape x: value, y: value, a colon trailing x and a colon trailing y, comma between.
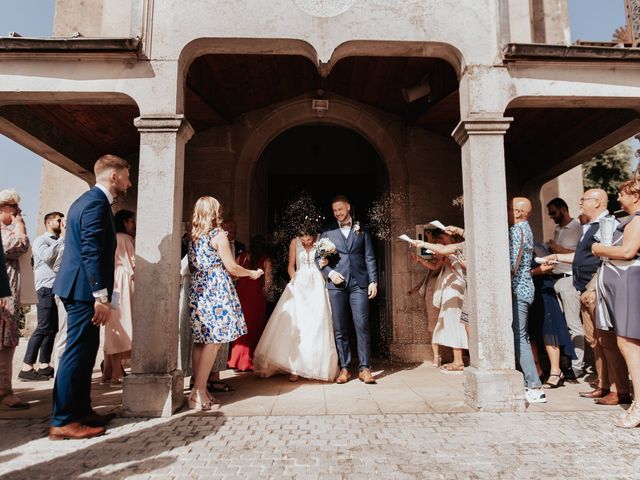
x: 87, y: 267
x: 356, y: 261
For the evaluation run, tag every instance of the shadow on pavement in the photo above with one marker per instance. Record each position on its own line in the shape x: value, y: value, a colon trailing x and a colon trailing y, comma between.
x: 141, y: 451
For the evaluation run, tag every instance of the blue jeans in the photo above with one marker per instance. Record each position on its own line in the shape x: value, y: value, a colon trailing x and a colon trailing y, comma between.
x: 45, y: 333
x: 524, y: 355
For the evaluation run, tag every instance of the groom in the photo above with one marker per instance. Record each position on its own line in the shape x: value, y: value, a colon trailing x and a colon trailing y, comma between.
x: 352, y: 282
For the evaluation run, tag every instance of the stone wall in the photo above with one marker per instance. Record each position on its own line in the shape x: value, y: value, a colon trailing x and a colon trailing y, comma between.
x: 98, y: 18
x: 58, y: 190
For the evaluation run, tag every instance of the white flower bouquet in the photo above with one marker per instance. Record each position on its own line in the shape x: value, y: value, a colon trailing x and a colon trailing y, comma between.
x: 325, y: 247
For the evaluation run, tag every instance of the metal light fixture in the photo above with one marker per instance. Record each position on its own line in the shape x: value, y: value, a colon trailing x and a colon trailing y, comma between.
x: 417, y: 91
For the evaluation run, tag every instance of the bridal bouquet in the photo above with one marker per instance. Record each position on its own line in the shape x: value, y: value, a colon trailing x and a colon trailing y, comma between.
x: 325, y: 247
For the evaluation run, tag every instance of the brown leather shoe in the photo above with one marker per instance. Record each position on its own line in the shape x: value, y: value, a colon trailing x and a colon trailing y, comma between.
x: 96, y: 420
x: 344, y: 376
x: 74, y: 431
x: 597, y: 393
x: 366, y: 376
x: 614, y: 399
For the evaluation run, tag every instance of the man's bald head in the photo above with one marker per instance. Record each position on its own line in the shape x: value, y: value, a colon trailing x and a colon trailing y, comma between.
x: 593, y: 202
x: 597, y: 193
x: 519, y: 209
x: 523, y: 204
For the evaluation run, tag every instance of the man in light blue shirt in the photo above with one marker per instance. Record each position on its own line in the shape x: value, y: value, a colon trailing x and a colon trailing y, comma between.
x: 47, y: 255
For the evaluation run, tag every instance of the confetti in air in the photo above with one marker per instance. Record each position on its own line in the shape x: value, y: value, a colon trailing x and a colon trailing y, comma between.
x: 301, y: 213
x: 380, y: 215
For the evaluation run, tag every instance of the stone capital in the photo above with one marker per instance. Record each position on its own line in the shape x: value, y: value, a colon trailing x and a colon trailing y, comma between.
x: 164, y: 124
x: 484, y: 125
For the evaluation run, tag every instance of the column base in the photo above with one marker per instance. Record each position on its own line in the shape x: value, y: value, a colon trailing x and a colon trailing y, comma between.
x: 494, y: 390
x: 153, y: 394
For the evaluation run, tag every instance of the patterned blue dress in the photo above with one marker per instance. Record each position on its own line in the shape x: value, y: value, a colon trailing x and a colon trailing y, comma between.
x: 214, y: 309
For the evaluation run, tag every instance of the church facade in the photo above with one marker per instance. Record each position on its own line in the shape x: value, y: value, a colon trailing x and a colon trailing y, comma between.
x: 416, y: 100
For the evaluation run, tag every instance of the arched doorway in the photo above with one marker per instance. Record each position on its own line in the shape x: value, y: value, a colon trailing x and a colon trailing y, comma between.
x: 323, y: 160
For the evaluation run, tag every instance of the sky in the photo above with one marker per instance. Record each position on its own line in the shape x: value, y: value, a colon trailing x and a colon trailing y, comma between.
x: 20, y: 168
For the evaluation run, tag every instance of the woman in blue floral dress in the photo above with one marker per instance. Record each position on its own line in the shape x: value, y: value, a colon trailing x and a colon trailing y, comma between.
x: 214, y: 309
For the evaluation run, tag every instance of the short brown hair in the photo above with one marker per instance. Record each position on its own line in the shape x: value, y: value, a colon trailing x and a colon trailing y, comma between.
x: 52, y: 216
x: 108, y: 162
x: 339, y: 198
x: 631, y: 187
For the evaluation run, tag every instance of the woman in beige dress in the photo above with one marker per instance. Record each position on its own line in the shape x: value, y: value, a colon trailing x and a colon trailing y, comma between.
x: 451, y: 329
x: 15, y: 244
x: 117, y: 332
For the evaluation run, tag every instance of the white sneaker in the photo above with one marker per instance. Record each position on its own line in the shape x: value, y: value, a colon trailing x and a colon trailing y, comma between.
x: 535, y: 395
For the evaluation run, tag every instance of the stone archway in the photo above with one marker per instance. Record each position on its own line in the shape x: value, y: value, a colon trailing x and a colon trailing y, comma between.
x: 260, y: 128
x: 383, y: 132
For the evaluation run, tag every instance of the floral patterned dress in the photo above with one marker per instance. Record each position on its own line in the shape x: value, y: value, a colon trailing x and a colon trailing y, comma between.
x: 14, y: 245
x: 214, y: 309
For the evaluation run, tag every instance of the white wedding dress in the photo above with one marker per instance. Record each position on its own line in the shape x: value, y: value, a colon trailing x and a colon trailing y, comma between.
x: 298, y: 338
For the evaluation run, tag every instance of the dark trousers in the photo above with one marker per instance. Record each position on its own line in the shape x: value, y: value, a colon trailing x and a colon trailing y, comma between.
x: 72, y: 390
x: 45, y: 333
x: 351, y: 297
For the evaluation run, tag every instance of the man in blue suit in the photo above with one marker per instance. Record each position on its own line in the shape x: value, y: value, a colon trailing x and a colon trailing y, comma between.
x: 85, y: 284
x: 352, y: 280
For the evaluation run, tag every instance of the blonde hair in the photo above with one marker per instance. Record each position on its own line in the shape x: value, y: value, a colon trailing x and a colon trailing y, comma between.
x: 631, y: 187
x: 109, y: 162
x: 206, y: 216
x: 9, y: 195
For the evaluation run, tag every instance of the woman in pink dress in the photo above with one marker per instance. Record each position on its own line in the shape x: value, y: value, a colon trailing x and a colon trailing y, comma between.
x: 254, y: 304
x: 117, y: 332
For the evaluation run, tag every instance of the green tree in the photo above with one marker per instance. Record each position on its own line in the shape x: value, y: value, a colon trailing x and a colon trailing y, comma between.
x: 607, y: 170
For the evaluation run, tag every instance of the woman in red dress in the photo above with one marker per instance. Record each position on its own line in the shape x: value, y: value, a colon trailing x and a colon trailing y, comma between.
x: 252, y: 299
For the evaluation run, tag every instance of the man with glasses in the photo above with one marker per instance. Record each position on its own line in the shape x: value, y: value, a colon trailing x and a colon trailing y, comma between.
x: 47, y: 255
x: 568, y: 233
x: 593, y: 206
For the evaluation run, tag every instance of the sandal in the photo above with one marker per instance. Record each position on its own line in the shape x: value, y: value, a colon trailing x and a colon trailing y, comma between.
x: 211, y: 386
x: 452, y: 368
x: 554, y: 384
x: 436, y: 362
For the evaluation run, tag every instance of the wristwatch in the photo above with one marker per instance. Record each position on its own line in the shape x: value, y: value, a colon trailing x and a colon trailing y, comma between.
x: 103, y: 299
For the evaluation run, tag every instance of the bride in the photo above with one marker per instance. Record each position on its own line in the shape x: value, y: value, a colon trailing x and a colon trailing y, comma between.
x: 298, y: 338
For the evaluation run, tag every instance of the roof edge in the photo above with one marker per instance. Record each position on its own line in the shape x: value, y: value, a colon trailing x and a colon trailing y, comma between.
x: 513, y: 52
x: 65, y: 45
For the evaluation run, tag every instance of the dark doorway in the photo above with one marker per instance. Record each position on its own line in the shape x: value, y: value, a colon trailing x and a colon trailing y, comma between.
x: 324, y: 161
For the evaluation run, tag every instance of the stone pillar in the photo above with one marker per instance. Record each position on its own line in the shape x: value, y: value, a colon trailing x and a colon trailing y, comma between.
x: 155, y: 387
x: 491, y: 382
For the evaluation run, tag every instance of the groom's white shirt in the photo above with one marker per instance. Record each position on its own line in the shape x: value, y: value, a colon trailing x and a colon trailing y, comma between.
x: 345, y: 230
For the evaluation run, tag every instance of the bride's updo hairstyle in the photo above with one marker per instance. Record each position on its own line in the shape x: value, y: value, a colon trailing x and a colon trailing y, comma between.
x: 206, y: 217
x: 308, y: 228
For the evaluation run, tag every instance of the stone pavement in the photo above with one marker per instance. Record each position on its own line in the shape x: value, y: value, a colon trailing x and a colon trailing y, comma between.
x: 413, y: 424
x: 439, y: 446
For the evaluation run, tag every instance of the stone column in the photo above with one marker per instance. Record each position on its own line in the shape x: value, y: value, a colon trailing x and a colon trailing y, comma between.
x: 491, y: 382
x: 155, y: 387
